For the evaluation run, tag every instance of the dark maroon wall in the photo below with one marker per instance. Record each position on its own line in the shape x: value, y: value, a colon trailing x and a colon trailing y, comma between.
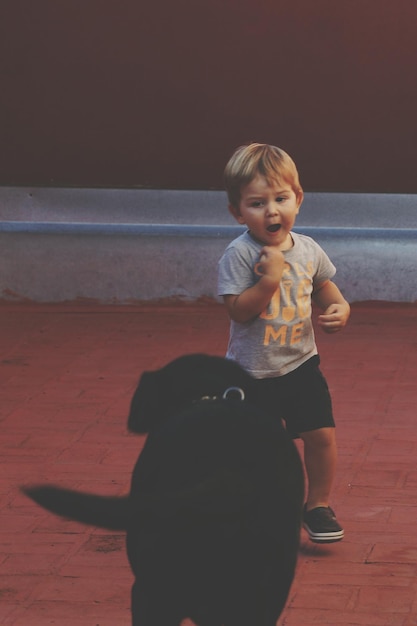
x: 159, y: 93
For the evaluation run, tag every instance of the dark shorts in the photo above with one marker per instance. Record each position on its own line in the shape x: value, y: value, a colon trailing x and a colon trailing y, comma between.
x: 301, y: 398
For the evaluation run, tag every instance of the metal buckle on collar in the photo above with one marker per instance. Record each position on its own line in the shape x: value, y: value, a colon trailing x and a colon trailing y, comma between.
x: 231, y: 393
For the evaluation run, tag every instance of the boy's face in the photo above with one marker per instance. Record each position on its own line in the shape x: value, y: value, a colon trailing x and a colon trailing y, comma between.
x: 268, y: 211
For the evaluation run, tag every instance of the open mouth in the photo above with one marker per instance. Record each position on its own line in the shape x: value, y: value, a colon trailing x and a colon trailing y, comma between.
x: 273, y: 228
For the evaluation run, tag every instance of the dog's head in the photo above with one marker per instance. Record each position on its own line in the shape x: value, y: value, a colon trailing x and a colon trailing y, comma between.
x: 187, y: 379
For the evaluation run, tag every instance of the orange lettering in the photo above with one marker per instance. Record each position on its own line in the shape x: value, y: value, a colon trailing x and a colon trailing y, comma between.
x: 275, y: 335
x: 304, y: 298
x: 299, y: 270
x: 288, y: 311
x: 296, y: 332
x: 272, y: 310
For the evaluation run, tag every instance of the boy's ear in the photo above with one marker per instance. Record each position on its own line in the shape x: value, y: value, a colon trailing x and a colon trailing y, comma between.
x: 300, y: 198
x: 236, y: 214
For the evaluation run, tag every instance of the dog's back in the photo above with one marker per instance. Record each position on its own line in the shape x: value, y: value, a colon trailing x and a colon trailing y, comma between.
x: 216, y: 504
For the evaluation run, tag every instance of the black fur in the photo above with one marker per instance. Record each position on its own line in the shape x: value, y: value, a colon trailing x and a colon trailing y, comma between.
x: 214, y: 513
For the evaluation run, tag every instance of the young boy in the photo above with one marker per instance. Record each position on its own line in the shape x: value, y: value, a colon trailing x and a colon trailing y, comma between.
x: 268, y: 277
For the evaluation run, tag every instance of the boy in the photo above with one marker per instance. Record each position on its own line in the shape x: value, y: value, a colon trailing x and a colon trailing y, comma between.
x: 268, y: 277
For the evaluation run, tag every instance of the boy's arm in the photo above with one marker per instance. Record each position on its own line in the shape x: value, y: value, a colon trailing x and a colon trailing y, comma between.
x: 251, y: 302
x: 336, y: 309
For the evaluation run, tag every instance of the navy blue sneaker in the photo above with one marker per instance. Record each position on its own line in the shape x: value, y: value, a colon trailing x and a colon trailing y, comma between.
x: 322, y: 525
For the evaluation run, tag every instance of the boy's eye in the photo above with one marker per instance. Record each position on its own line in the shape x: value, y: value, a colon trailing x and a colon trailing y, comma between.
x: 256, y: 204
x: 280, y: 199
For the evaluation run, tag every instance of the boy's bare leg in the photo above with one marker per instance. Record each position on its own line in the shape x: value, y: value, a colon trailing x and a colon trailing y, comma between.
x: 320, y: 459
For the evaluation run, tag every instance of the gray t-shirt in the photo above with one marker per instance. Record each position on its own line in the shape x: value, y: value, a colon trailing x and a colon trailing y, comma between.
x: 281, y: 338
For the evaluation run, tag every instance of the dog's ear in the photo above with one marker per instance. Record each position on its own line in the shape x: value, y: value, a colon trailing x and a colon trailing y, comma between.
x: 184, y: 380
x: 148, y: 404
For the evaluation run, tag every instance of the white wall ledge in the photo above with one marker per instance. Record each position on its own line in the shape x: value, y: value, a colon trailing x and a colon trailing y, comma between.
x: 124, y: 246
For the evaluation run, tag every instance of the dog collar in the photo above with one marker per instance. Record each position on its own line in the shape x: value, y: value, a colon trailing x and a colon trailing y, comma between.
x: 231, y: 393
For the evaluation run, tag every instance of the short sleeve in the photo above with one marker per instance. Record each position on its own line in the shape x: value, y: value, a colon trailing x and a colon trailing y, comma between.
x: 235, y: 272
x: 325, y: 270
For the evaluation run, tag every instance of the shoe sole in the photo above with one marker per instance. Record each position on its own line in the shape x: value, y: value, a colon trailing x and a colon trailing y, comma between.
x: 330, y: 537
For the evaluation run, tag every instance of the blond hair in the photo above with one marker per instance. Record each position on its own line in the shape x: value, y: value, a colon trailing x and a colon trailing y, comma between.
x: 259, y: 158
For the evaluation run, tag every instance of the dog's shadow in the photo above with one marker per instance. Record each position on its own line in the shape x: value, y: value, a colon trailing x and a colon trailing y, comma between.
x: 214, y: 511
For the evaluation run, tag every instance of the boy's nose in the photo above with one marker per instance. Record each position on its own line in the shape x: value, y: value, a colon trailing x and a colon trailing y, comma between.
x: 271, y: 209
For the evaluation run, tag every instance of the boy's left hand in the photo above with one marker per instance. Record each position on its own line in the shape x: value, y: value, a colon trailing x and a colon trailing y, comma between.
x: 334, y: 318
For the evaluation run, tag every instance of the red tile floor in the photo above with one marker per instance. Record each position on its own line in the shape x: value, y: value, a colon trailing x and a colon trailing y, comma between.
x: 66, y: 377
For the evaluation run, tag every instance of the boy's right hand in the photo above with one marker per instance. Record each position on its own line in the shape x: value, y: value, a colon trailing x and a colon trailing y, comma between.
x: 271, y: 264
x: 250, y: 303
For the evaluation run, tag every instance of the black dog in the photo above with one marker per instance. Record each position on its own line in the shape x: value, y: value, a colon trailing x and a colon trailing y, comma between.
x: 214, y: 513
